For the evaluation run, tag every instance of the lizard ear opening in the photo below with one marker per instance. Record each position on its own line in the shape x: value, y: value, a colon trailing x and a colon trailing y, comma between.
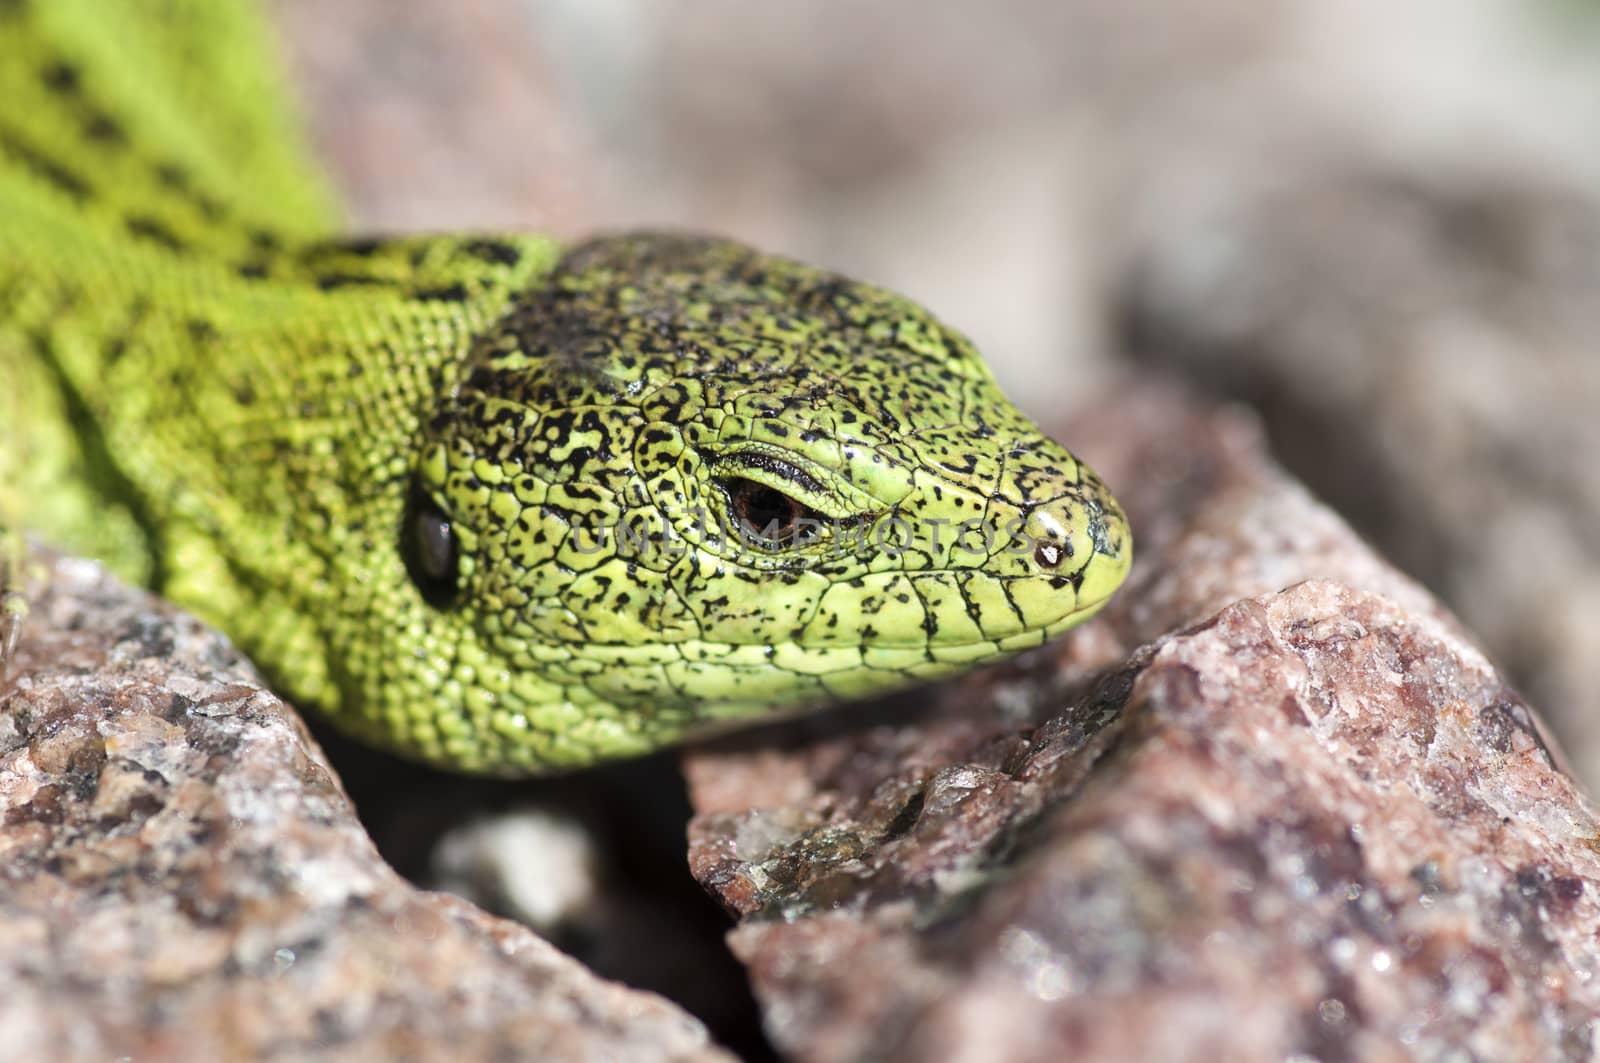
x: 430, y: 549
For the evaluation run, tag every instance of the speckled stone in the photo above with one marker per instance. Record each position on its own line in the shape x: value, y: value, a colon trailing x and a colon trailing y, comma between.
x: 1429, y: 369
x: 1272, y: 805
x: 181, y: 877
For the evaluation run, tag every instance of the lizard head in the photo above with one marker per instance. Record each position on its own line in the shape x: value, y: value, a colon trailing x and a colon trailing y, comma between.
x: 682, y: 482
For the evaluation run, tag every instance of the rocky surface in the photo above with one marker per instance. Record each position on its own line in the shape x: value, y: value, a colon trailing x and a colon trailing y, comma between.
x: 182, y: 877
x: 1421, y: 347
x: 441, y: 115
x: 1271, y: 805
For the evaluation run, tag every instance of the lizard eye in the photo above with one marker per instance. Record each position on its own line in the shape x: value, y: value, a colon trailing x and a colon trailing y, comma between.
x: 430, y: 549
x: 769, y: 517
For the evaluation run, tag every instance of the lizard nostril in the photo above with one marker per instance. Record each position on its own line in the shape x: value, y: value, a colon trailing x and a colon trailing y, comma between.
x: 1048, y: 554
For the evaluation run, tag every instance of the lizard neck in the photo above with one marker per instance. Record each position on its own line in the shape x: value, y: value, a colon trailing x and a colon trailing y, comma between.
x: 241, y: 435
x: 198, y: 382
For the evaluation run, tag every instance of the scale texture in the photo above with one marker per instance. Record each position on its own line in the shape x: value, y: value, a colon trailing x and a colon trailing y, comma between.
x: 489, y: 502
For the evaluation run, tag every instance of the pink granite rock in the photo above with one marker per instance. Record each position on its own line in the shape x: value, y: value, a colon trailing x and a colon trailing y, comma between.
x: 182, y: 877
x: 1430, y: 370
x: 1272, y: 804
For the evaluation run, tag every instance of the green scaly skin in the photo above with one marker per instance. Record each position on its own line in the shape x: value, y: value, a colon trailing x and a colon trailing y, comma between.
x: 394, y: 470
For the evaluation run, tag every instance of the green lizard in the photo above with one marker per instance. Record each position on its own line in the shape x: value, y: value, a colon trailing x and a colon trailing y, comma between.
x: 494, y: 504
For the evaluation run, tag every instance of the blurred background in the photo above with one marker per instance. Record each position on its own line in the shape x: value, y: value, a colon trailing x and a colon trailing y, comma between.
x: 1378, y: 225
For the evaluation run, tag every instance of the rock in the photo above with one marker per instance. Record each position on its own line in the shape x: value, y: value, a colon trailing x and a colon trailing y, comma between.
x: 182, y: 876
x: 1271, y: 804
x: 437, y: 117
x: 1421, y: 346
